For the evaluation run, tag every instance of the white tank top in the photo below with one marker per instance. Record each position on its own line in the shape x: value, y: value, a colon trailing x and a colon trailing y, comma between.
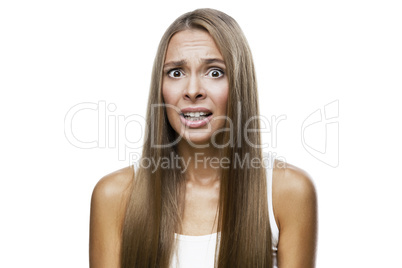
x: 199, y: 251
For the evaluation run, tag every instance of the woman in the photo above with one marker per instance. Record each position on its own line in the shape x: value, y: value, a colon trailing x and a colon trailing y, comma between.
x: 209, y: 204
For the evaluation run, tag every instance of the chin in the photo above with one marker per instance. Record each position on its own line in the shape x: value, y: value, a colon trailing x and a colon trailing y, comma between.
x: 203, y: 139
x: 197, y: 138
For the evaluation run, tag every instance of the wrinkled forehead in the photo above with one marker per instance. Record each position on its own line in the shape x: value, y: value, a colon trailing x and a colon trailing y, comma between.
x: 192, y: 43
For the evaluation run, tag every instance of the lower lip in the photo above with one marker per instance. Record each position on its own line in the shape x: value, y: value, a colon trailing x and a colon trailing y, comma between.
x: 195, y: 124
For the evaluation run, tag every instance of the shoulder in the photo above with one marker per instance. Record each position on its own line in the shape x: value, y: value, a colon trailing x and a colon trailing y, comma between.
x: 110, y: 196
x: 114, y: 185
x: 293, y: 191
x: 295, y: 202
x: 108, y: 205
x: 111, y: 193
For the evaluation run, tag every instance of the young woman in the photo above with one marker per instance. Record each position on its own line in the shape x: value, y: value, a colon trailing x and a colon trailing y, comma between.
x: 208, y: 199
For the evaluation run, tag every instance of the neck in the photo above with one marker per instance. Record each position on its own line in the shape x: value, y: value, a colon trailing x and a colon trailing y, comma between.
x: 202, y: 165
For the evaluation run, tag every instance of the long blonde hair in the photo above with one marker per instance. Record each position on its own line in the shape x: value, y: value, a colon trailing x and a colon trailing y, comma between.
x: 154, y: 210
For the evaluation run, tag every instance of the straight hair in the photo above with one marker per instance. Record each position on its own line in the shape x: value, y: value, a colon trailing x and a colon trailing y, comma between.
x: 155, y: 207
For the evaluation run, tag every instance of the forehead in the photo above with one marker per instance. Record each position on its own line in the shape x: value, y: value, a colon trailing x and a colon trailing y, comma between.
x: 190, y: 43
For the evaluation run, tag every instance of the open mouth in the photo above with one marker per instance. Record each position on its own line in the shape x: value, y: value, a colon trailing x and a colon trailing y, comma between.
x: 196, y: 116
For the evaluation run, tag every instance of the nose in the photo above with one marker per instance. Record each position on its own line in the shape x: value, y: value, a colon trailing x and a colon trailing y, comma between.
x: 194, y: 90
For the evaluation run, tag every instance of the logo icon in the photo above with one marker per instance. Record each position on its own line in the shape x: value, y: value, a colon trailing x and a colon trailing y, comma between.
x: 320, y: 134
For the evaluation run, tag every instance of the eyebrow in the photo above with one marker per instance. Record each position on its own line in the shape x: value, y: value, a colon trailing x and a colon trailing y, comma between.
x: 214, y: 60
x: 175, y: 63
x: 183, y: 62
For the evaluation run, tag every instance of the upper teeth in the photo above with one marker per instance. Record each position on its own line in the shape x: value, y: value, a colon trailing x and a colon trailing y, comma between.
x: 196, y: 114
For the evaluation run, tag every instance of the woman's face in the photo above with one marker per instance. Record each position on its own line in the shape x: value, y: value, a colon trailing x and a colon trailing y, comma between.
x: 195, y: 87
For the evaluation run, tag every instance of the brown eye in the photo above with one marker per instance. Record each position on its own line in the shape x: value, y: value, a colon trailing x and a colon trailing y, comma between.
x: 175, y: 73
x: 215, y: 73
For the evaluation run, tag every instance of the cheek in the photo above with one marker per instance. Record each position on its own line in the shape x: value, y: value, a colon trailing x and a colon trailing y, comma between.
x: 225, y: 97
x: 165, y: 94
x: 170, y: 101
x: 221, y: 97
x: 170, y: 92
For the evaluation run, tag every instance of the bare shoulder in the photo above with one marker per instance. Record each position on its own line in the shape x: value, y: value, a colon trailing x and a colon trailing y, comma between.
x: 292, y: 181
x: 293, y: 191
x: 114, y: 185
x: 295, y: 207
x: 110, y: 196
x: 108, y: 205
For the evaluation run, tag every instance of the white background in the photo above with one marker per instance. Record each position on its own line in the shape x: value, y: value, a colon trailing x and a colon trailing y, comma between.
x: 56, y: 54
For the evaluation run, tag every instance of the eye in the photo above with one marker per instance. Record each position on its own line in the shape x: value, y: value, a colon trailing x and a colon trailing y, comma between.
x: 215, y: 73
x: 175, y: 73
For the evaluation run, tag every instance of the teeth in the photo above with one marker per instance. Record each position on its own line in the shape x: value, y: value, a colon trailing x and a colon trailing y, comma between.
x: 196, y: 114
x: 195, y: 118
